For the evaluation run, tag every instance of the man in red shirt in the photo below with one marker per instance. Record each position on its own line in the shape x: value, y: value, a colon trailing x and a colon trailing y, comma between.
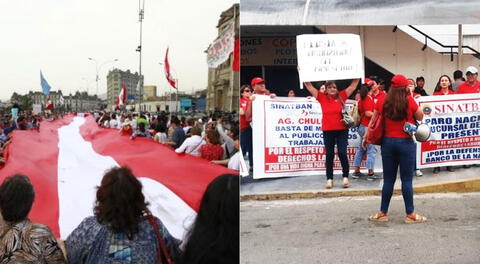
x: 471, y: 85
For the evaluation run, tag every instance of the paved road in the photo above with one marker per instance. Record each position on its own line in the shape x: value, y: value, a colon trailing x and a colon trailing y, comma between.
x: 336, y: 230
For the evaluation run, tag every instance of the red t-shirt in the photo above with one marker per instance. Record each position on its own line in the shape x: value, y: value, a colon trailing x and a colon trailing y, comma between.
x: 441, y: 93
x: 332, y: 111
x: 364, y: 105
x: 244, y: 122
x: 211, y: 152
x: 394, y: 129
x: 380, y: 96
x: 466, y: 88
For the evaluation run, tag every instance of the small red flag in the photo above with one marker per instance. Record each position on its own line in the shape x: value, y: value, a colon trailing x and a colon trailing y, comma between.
x: 236, y: 56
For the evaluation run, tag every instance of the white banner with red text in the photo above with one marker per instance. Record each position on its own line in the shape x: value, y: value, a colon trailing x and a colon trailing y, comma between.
x: 454, y: 122
x: 288, y: 139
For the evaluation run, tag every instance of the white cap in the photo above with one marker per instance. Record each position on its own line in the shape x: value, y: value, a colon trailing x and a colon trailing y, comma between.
x: 471, y: 69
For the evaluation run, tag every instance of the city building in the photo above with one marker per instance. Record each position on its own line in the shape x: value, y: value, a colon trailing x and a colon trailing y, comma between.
x: 223, y: 82
x: 149, y: 91
x: 115, y: 78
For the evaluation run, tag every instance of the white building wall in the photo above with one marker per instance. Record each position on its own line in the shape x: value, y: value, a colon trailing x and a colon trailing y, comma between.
x: 398, y: 52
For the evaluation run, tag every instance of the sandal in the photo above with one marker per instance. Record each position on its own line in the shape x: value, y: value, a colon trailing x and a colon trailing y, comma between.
x: 415, y: 218
x: 346, y: 184
x: 379, y: 217
x: 329, y: 184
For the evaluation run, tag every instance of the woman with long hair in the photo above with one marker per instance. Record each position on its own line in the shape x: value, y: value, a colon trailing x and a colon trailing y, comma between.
x: 335, y: 132
x: 365, y: 109
x: 443, y: 87
x: 214, y: 236
x: 398, y: 147
x: 122, y: 229
x: 212, y: 150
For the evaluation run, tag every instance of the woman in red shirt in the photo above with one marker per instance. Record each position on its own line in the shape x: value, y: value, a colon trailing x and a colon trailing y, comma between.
x: 212, y: 150
x: 334, y: 130
x: 398, y: 147
x: 444, y: 87
x: 365, y: 109
x: 245, y: 119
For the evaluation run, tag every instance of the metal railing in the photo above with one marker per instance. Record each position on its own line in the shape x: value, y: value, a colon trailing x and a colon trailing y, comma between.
x: 476, y: 54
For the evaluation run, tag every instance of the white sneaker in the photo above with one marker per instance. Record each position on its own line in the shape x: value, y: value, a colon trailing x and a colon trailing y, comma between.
x: 418, y: 173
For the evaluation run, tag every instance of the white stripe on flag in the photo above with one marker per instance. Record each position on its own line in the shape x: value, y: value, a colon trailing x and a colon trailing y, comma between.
x: 80, y: 170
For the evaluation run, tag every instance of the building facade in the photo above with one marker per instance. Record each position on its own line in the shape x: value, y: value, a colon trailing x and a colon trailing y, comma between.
x: 223, y: 91
x: 149, y: 91
x: 115, y: 78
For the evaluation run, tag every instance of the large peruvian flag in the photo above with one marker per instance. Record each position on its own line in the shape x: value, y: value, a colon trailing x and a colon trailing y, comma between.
x: 66, y: 160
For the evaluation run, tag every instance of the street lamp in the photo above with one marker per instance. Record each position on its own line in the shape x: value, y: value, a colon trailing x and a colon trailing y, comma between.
x: 98, y: 68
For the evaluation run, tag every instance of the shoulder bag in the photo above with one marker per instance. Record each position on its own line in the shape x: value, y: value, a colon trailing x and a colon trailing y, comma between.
x: 375, y: 129
x: 161, y: 247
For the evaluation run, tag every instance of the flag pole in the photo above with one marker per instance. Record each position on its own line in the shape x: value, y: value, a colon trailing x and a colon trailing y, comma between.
x: 176, y: 98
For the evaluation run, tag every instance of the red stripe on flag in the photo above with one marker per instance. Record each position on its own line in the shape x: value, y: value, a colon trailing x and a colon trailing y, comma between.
x: 35, y: 154
x: 187, y: 176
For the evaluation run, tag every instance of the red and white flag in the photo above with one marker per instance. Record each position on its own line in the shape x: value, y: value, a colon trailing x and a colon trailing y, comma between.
x: 122, y: 97
x: 70, y: 157
x: 170, y: 79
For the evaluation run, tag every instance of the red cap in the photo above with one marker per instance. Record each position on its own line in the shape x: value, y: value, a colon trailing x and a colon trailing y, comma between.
x: 399, y: 81
x: 257, y: 80
x: 369, y: 82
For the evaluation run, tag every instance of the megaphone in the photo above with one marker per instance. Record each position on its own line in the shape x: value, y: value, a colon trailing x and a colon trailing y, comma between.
x: 421, y: 132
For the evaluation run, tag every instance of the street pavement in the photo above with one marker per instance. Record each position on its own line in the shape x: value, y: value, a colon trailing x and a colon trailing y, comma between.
x: 337, y: 230
x: 462, y: 179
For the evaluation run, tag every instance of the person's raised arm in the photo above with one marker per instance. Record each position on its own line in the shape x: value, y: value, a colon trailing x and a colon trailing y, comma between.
x: 352, y: 87
x: 311, y: 89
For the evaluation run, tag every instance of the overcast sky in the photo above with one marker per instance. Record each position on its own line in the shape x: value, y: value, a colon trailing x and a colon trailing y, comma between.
x: 58, y: 36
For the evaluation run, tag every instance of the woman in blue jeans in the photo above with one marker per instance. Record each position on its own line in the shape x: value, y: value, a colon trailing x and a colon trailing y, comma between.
x: 398, y: 148
x: 366, y: 106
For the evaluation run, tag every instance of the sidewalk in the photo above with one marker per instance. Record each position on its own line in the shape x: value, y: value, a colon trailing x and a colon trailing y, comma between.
x: 461, y: 180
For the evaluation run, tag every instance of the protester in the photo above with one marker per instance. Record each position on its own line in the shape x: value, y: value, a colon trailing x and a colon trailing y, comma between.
x: 334, y: 130
x: 411, y: 89
x: 375, y: 91
x: 212, y: 150
x: 192, y: 144
x: 161, y: 135
x: 126, y: 128
x: 471, y: 85
x: 214, y: 236
x: 365, y: 109
x: 444, y: 87
x: 458, y: 80
x: 119, y: 231
x: 245, y: 119
x: 178, y: 136
x: 21, y: 240
x: 397, y: 147
x: 420, y: 84
x: 232, y: 161
x: 141, y: 132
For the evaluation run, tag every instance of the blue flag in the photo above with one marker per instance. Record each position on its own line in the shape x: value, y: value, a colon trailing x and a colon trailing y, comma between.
x: 44, y: 84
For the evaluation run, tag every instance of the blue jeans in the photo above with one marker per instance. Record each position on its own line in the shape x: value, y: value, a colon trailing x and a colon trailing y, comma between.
x: 246, y: 144
x: 340, y: 137
x: 371, y: 151
x: 398, y: 152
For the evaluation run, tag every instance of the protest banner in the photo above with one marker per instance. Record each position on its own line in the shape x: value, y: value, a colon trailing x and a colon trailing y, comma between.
x: 329, y: 57
x: 37, y: 109
x: 221, y: 48
x: 288, y: 138
x: 454, y: 122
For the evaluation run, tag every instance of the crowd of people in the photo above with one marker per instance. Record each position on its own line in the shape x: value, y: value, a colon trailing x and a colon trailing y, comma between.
x: 211, y: 138
x: 122, y: 229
